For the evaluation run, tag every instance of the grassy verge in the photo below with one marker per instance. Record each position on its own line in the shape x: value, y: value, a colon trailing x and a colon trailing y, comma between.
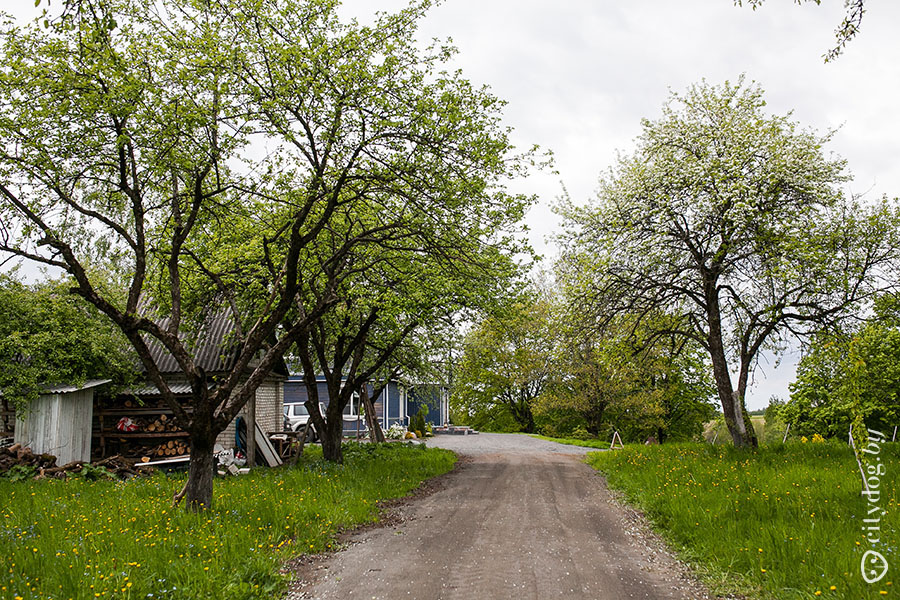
x: 82, y: 539
x: 574, y: 442
x: 782, y: 522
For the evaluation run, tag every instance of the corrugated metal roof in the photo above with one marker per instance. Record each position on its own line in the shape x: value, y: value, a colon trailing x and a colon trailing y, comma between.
x: 151, y: 390
x: 68, y: 389
x: 211, y: 347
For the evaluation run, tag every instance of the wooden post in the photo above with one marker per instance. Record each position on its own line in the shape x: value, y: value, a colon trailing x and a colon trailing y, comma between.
x: 894, y: 437
x: 251, y: 432
x: 301, y: 443
x: 786, y: 430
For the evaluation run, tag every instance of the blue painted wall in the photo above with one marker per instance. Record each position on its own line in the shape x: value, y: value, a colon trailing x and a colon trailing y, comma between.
x: 395, y: 413
x: 295, y: 391
x: 415, y: 397
x: 429, y: 396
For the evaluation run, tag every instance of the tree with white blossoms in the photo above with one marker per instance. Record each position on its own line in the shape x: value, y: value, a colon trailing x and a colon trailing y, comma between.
x: 733, y: 221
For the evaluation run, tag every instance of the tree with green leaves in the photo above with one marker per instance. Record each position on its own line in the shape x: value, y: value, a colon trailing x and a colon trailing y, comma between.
x: 847, y: 374
x: 199, y: 153
x: 48, y: 336
x: 391, y: 297
x: 506, y: 365
x: 626, y: 377
x: 731, y: 221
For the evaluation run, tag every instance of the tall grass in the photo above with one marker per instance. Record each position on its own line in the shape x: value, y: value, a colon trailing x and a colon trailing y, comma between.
x: 781, y: 522
x: 105, y: 539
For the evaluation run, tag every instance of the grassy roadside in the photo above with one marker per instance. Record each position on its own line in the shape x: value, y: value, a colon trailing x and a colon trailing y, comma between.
x: 105, y: 539
x: 782, y: 522
x: 574, y: 442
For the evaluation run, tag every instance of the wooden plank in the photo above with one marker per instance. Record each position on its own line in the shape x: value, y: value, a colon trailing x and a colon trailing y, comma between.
x: 266, y: 449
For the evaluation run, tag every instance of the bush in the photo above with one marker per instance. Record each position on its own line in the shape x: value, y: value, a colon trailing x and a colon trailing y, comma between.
x: 417, y: 422
x: 580, y: 433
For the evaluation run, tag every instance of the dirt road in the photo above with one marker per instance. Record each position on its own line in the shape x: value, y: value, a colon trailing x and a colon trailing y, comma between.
x: 521, y: 518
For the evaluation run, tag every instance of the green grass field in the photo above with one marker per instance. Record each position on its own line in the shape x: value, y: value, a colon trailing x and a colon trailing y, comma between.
x: 781, y: 522
x: 573, y: 441
x: 106, y: 539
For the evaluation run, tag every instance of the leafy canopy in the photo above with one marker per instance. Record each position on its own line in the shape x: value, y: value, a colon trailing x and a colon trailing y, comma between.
x: 48, y: 336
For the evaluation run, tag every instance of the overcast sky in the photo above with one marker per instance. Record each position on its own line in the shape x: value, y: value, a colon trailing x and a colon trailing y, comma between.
x: 580, y: 74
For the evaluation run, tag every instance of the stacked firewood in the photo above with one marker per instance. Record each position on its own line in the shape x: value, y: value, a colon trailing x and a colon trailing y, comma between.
x: 171, y: 448
x: 160, y: 424
x: 44, y: 465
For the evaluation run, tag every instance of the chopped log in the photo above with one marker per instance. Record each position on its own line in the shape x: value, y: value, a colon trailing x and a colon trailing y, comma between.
x: 171, y: 444
x: 145, y: 459
x: 163, y: 418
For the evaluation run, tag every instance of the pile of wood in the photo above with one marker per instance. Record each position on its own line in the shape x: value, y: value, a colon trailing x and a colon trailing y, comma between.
x: 17, y: 455
x: 44, y: 465
x: 171, y: 449
x: 160, y: 424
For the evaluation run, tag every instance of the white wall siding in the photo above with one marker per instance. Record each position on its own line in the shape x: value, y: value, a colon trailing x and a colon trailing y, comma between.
x: 59, y: 424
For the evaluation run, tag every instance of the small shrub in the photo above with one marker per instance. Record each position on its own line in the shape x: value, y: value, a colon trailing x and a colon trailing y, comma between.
x: 580, y: 433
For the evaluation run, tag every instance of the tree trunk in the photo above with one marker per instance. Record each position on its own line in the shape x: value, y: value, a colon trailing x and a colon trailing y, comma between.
x: 375, y: 432
x: 199, y: 488
x: 740, y: 404
x: 333, y: 434
x: 736, y: 418
x: 593, y: 417
x: 331, y: 440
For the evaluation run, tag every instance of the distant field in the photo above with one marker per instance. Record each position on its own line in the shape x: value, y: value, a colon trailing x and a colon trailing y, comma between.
x: 782, y: 522
x: 713, y: 427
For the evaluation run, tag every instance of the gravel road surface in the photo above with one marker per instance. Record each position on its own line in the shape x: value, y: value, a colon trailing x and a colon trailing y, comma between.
x: 519, y: 518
